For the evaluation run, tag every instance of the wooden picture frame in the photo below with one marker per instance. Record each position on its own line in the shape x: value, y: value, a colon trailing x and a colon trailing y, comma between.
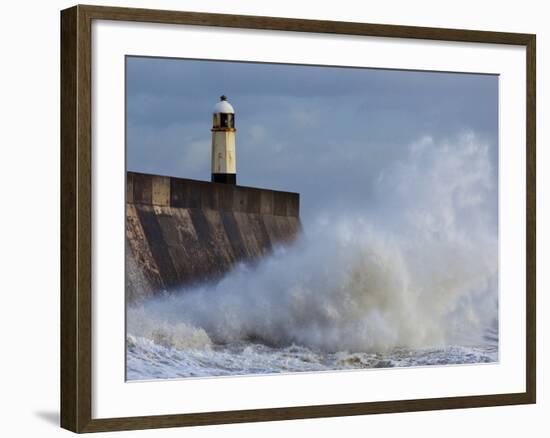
x: 76, y: 217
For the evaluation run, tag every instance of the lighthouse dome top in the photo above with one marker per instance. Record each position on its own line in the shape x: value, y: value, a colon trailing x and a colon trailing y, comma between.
x: 223, y: 106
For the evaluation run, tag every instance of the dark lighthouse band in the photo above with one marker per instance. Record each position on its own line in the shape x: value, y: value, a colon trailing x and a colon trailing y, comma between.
x: 224, y: 160
x: 225, y: 178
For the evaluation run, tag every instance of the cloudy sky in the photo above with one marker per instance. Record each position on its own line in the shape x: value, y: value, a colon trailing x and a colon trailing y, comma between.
x: 326, y: 132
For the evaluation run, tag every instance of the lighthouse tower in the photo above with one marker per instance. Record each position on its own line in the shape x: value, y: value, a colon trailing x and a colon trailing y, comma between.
x: 224, y: 166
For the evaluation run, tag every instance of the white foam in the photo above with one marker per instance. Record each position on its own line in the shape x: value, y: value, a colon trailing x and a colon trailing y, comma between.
x: 417, y: 269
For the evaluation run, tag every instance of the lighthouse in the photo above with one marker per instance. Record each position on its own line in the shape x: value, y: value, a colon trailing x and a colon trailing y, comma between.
x: 224, y: 166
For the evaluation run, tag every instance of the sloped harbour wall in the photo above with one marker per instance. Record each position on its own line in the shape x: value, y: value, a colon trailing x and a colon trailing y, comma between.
x: 181, y: 232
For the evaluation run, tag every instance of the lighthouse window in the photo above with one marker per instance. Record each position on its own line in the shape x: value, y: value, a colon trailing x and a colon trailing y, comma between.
x: 227, y: 120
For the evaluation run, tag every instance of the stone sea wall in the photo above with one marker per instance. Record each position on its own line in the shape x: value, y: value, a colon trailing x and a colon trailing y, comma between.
x: 182, y: 232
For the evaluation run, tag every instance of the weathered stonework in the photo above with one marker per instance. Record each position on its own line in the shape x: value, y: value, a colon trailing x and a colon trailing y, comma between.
x: 181, y: 232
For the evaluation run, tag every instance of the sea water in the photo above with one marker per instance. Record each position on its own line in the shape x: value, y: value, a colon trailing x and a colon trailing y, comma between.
x: 148, y: 360
x: 412, y: 280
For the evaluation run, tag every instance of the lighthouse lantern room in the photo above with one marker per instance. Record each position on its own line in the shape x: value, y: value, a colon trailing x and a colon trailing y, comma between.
x: 224, y: 165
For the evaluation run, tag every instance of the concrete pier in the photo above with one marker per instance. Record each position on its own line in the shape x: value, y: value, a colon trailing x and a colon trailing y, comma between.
x: 180, y: 232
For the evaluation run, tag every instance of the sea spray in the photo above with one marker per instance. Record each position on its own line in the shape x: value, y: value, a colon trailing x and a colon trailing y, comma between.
x: 415, y: 268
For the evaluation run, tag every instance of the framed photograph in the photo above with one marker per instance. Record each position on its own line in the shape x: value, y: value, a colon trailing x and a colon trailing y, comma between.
x: 270, y: 218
